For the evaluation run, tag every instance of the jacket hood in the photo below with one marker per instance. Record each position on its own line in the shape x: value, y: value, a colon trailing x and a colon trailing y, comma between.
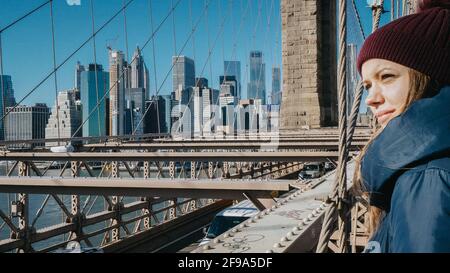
x: 421, y: 133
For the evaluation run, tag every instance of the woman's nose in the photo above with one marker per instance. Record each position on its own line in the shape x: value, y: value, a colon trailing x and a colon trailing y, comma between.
x: 374, y: 98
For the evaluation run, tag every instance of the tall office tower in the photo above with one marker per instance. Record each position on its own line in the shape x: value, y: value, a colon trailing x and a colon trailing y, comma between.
x: 118, y: 82
x: 227, y: 104
x: 78, y: 69
x: 69, y: 116
x: 147, y: 82
x: 229, y: 81
x: 201, y: 82
x: 276, y: 86
x: 227, y: 89
x: 352, y: 76
x: 309, y: 64
x: 7, y: 97
x: 135, y: 109
x: 91, y: 94
x: 257, y: 86
x: 233, y: 68
x: 183, y: 74
x: 138, y: 70
x: 157, y: 119
x: 203, y: 111
x: 26, y: 123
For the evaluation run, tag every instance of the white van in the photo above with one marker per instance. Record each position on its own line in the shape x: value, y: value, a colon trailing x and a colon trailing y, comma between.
x: 228, y: 218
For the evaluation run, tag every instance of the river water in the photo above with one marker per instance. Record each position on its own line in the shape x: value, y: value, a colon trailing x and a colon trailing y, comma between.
x: 52, y: 213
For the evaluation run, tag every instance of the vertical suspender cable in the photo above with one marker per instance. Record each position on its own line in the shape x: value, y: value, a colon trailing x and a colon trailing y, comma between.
x: 173, y: 64
x: 95, y: 65
x: 154, y: 68
x: 173, y: 29
x: 338, y: 194
x: 122, y: 75
x: 2, y: 86
x: 54, y: 67
x: 392, y: 10
x: 61, y: 64
x: 210, y: 50
x: 208, y: 36
x: 126, y: 78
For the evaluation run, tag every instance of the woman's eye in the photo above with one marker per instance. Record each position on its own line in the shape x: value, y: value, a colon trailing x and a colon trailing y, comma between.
x: 386, y: 76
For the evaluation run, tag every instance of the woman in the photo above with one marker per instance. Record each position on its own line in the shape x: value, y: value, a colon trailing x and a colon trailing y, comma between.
x: 405, y: 169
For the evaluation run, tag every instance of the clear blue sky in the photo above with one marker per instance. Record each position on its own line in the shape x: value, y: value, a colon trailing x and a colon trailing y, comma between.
x: 27, y: 50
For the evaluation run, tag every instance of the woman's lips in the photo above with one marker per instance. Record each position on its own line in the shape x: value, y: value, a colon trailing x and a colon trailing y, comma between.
x: 383, y: 116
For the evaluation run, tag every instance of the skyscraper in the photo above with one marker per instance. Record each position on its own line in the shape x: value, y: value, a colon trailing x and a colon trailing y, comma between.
x: 201, y: 83
x: 183, y: 74
x: 147, y: 82
x: 26, y: 123
x: 78, y: 69
x: 69, y: 117
x: 157, y: 119
x: 204, y: 99
x: 136, y: 95
x: 231, y: 82
x: 233, y: 68
x: 96, y: 123
x: 352, y: 76
x: 135, y: 107
x: 118, y: 81
x: 257, y: 86
x: 137, y: 70
x: 276, y: 86
x: 7, y: 96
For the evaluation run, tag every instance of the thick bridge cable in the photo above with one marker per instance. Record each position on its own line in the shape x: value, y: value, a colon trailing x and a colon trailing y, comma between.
x: 339, y: 189
x: 338, y: 193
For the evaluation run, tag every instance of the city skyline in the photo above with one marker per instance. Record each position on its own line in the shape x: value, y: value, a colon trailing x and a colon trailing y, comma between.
x: 77, y: 20
x: 18, y: 51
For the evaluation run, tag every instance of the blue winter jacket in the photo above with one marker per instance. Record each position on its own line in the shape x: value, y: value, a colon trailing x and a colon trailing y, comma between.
x: 407, y: 173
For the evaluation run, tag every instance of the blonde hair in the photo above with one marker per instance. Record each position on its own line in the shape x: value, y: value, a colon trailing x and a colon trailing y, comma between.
x: 420, y: 86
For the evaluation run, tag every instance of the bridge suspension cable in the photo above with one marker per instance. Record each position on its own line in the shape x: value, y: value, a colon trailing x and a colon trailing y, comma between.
x: 154, y: 65
x: 94, y: 49
x: 65, y: 60
x: 338, y: 194
x: 123, y: 73
x: 208, y: 59
x: 54, y: 68
x: 171, y: 68
x: 25, y: 16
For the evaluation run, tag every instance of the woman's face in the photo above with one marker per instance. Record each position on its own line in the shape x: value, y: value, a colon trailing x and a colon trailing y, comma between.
x: 388, y: 86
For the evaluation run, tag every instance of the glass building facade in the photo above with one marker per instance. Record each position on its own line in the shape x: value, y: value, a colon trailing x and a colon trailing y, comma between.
x: 95, y: 125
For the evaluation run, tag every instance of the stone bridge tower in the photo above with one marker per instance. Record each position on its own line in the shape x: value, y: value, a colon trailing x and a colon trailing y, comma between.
x: 309, y: 95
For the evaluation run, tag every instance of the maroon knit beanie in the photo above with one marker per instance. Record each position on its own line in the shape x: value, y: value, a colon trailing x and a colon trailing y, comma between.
x: 420, y: 41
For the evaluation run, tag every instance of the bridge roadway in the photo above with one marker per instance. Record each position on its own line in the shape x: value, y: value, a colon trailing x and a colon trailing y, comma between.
x: 292, y: 225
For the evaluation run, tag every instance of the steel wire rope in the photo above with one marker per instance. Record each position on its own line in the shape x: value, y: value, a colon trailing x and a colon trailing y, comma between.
x: 64, y: 61
x: 122, y: 75
x: 171, y: 68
